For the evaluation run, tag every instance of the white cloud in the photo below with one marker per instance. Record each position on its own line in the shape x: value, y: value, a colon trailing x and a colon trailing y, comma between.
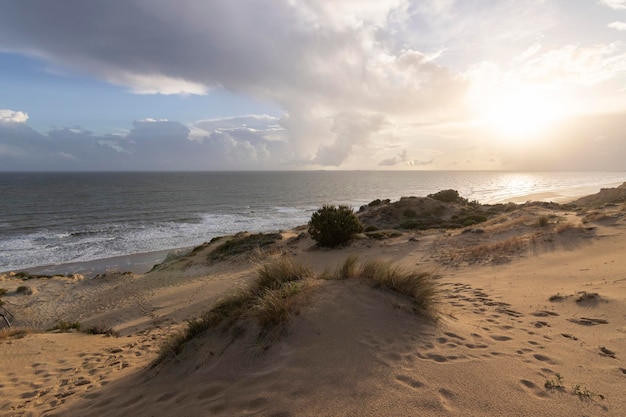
x: 157, y: 84
x: 615, y: 4
x: 617, y: 25
x: 11, y: 116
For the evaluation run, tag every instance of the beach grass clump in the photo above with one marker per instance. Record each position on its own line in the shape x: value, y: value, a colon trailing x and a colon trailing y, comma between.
x: 420, y: 286
x: 266, y: 304
x: 3, y: 291
x: 13, y: 333
x: 333, y: 226
x: 100, y: 329
x: 65, y: 326
x: 349, y: 268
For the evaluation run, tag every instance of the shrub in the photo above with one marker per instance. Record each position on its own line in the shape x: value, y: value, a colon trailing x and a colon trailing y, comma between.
x: 448, y: 196
x: 23, y: 289
x: 3, y: 291
x: 332, y: 226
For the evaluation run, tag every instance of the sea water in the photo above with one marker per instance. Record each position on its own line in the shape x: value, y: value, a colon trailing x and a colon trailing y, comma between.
x: 58, y: 218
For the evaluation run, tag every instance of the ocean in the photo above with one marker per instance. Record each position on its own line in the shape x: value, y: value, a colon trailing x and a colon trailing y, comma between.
x: 61, y: 218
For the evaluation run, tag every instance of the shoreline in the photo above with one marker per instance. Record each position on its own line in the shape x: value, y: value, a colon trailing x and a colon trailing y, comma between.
x: 143, y: 262
x: 137, y: 263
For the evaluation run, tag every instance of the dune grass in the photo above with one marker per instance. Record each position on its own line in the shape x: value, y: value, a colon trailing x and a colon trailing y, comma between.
x: 266, y: 304
x: 13, y: 333
x: 420, y: 286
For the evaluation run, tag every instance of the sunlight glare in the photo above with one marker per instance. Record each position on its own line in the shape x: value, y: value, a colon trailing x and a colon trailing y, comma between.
x: 520, y: 115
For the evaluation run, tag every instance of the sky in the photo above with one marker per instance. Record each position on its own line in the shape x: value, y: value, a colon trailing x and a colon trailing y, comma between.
x: 313, y: 84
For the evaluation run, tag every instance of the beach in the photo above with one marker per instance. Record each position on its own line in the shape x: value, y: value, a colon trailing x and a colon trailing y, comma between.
x: 528, y: 320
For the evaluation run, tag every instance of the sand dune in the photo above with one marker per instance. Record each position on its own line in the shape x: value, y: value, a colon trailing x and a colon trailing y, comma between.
x: 530, y: 321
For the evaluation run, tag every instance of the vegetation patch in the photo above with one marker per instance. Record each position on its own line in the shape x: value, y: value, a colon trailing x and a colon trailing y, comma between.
x: 24, y: 289
x: 383, y: 234
x: 421, y: 287
x: 448, y: 196
x: 265, y: 305
x: 65, y: 327
x: 333, y: 226
x: 557, y: 384
x: 100, y: 329
x: 243, y: 243
x: 13, y: 333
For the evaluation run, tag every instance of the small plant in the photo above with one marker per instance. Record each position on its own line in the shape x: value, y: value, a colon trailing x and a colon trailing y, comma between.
x: 333, y: 226
x: 557, y: 383
x: 101, y: 329
x: 543, y: 221
x: 3, y: 291
x: 24, y: 289
x: 585, y: 392
x: 66, y: 326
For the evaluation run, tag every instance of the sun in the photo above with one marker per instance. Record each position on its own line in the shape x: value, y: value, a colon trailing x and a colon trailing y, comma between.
x: 520, y: 114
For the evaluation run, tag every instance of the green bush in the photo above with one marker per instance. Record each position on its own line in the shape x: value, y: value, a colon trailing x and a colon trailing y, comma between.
x: 448, y: 196
x: 332, y: 226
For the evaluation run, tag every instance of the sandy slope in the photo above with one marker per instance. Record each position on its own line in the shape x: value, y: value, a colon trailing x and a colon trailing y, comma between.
x: 509, y: 321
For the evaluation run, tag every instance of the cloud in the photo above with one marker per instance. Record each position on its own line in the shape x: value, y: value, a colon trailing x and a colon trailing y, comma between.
x: 157, y: 84
x: 575, y: 65
x: 10, y: 116
x: 617, y: 25
x: 314, y: 59
x: 354, y: 79
x: 615, y: 4
x: 350, y: 131
x: 150, y: 144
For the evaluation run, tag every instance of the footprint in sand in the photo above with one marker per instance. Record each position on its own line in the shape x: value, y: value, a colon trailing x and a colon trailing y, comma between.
x: 500, y: 338
x: 533, y: 388
x: 544, y: 313
x: 546, y: 359
x: 588, y: 321
x: 409, y: 381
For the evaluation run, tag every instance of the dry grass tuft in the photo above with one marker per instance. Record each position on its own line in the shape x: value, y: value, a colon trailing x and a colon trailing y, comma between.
x: 349, y: 269
x: 420, y: 286
x: 265, y: 305
x: 14, y: 333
